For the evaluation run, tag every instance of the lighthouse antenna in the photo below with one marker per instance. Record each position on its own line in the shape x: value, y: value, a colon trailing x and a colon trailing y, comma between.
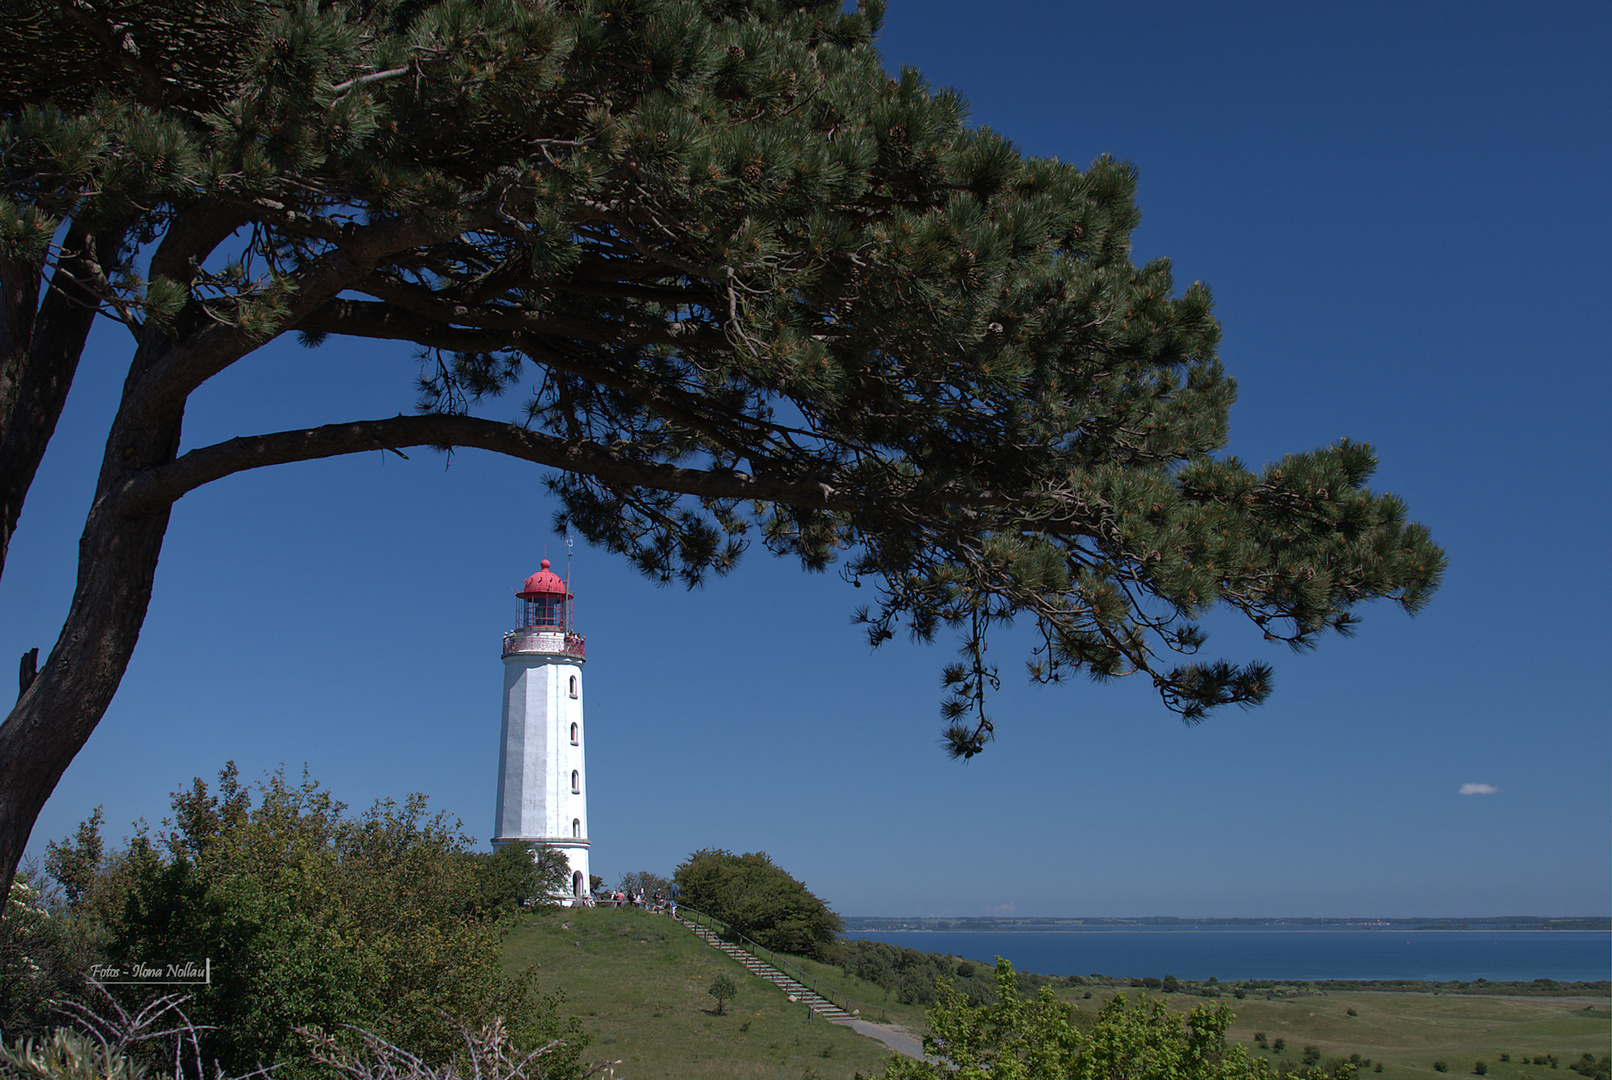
x: 570, y: 600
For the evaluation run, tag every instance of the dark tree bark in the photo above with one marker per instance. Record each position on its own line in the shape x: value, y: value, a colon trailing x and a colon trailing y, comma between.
x: 40, y: 345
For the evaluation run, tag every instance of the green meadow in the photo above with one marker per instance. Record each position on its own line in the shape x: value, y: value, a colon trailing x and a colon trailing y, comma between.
x: 638, y: 983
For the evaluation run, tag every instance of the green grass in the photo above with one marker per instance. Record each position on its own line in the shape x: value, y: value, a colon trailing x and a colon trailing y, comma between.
x: 637, y: 982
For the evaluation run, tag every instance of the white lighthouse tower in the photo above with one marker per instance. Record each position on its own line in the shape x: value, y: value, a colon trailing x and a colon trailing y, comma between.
x: 542, y: 781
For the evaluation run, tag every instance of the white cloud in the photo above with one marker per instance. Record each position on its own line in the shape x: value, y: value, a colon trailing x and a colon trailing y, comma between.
x: 1479, y: 789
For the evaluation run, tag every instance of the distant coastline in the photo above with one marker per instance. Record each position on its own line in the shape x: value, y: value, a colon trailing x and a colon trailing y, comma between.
x: 1166, y: 922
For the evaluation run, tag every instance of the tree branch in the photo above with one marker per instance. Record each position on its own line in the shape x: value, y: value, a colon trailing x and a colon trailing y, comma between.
x: 147, y: 491
x: 209, y: 351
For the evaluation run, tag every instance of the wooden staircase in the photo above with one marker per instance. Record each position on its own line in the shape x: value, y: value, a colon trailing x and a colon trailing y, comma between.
x: 797, y: 992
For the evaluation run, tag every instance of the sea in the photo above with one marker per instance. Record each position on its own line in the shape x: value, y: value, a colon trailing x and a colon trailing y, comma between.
x: 1299, y: 955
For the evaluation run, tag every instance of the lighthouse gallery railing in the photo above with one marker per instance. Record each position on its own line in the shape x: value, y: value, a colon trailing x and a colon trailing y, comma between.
x: 533, y: 639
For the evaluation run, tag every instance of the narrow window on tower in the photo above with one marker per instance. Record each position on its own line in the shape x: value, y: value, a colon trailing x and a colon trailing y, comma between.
x: 573, y: 686
x: 573, y: 734
x: 576, y: 827
x: 576, y: 782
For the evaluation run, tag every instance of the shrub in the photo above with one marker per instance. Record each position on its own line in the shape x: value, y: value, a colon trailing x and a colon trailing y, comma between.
x: 1592, y: 1068
x: 1441, y: 1066
x: 1311, y: 1055
x: 1041, y: 1036
x: 760, y: 900
x: 912, y: 975
x: 312, y: 918
x: 1352, y: 1012
x: 1480, y: 1067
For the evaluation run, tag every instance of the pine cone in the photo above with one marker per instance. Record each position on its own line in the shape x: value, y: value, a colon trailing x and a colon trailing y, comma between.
x: 752, y: 171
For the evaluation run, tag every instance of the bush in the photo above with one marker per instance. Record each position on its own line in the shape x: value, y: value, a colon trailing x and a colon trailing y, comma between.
x: 760, y: 900
x: 41, y: 961
x: 912, y: 975
x: 1480, y: 1067
x: 1041, y: 1036
x: 157, y: 1039
x: 1311, y: 1055
x: 315, y: 919
x: 1441, y: 1066
x: 1593, y: 1068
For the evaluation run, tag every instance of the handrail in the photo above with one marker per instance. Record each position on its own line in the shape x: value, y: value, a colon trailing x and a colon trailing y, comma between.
x: 849, y: 1004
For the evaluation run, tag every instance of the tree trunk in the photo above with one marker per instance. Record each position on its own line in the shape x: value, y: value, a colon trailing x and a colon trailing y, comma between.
x: 55, y: 716
x: 117, y: 563
x: 41, y: 340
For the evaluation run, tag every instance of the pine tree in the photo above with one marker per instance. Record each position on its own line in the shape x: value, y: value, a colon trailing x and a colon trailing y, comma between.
x: 751, y: 287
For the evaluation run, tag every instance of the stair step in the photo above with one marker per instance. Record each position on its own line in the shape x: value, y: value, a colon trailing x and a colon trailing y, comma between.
x: 814, y: 1001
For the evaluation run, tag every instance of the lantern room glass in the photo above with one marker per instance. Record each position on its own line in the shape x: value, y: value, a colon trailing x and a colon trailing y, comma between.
x: 548, y: 612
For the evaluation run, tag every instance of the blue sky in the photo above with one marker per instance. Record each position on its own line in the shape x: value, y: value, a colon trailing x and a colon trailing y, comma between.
x: 1402, y: 211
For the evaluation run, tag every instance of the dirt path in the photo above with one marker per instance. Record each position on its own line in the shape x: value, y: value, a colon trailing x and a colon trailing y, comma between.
x: 897, y: 1039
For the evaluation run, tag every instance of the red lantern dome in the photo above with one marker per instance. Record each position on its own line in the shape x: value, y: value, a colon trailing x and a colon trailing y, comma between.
x: 543, y: 583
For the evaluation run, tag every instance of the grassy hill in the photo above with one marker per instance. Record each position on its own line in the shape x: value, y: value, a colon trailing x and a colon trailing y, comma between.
x: 638, y: 983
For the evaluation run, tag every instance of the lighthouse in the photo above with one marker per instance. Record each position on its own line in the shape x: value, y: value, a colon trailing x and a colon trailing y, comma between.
x: 542, y: 780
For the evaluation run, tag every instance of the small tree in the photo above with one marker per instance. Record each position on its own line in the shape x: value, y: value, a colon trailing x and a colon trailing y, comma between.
x: 645, y: 881
x: 722, y: 988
